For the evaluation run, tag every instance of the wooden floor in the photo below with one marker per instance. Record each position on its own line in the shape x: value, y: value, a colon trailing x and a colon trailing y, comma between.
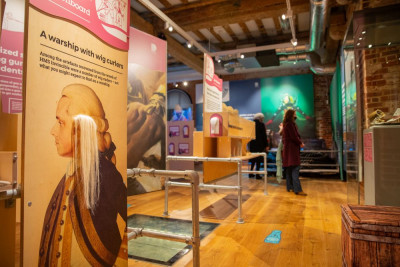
x: 310, y: 225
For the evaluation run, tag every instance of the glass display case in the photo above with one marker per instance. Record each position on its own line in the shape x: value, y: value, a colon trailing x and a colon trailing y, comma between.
x: 370, y: 60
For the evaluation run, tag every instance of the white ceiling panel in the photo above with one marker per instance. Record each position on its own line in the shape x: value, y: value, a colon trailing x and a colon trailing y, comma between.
x: 253, y: 28
x: 179, y: 38
x: 194, y: 36
x: 174, y: 2
x: 157, y: 4
x: 209, y: 35
x: 269, y: 26
x: 304, y: 21
x: 237, y: 30
x: 222, y: 32
x: 137, y: 6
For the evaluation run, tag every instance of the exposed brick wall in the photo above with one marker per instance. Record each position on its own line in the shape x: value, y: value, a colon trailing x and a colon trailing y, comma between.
x: 322, y: 109
x: 381, y: 80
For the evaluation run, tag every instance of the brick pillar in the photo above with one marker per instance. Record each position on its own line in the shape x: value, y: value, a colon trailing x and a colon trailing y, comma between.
x: 322, y: 109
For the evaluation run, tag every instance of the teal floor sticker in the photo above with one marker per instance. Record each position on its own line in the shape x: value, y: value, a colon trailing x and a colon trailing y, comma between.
x: 273, y: 184
x: 274, y: 237
x: 129, y: 205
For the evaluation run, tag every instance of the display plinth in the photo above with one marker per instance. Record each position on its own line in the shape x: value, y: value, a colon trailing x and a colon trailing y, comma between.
x: 234, y: 134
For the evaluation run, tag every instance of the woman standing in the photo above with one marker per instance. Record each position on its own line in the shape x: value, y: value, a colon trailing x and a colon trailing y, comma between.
x: 291, y: 152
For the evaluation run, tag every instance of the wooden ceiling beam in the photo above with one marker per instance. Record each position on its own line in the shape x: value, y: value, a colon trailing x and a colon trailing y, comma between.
x: 175, y: 49
x: 216, y: 35
x: 165, y: 3
x: 224, y: 12
x: 183, y: 55
x: 201, y: 36
x: 246, y: 31
x: 302, y: 38
x: 139, y: 23
x: 265, y: 74
x: 230, y: 32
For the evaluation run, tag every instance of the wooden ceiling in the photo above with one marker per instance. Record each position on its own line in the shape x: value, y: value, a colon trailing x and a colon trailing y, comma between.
x: 221, y: 25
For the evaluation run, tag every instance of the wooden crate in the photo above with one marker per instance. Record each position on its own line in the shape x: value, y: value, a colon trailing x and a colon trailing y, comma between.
x: 370, y: 235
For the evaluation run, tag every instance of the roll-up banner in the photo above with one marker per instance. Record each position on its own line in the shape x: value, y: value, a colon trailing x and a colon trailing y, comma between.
x: 147, y: 82
x: 11, y: 56
x: 74, y: 133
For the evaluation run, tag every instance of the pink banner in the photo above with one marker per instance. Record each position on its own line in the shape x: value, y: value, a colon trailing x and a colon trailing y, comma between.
x: 147, y: 50
x: 11, y: 57
x: 368, y: 156
x: 108, y: 19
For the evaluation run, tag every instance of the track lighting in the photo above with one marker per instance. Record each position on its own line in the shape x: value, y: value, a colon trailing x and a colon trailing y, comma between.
x: 185, y: 83
x: 294, y: 42
x: 287, y: 15
x: 189, y: 45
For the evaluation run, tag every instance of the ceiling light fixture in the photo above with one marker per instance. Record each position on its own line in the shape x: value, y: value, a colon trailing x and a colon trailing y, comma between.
x: 294, y: 41
x: 170, y: 28
x: 185, y: 83
x: 176, y: 85
x: 283, y: 16
x: 389, y: 43
x: 241, y: 56
x: 189, y: 45
x: 370, y: 45
x: 364, y: 32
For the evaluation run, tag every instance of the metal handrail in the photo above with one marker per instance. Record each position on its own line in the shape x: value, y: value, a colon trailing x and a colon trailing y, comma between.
x: 193, y: 240
x: 238, y: 187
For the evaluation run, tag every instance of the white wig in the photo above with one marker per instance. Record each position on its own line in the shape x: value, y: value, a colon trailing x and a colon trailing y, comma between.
x: 86, y: 158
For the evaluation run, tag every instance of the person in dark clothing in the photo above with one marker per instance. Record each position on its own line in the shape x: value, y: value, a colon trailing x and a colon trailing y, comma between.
x: 291, y: 152
x: 259, y: 144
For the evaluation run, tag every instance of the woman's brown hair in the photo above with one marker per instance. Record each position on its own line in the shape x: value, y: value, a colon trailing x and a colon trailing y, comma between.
x: 289, y: 116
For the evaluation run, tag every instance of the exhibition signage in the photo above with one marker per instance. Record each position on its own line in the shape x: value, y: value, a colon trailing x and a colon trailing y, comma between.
x: 212, y: 87
x: 147, y: 72
x: 108, y: 19
x: 11, y: 56
x: 75, y: 82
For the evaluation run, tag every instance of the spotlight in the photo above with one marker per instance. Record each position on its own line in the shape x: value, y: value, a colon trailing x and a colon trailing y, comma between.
x: 363, y: 32
x: 283, y: 16
x: 176, y: 85
x: 217, y: 59
x: 189, y: 45
x: 294, y: 42
x: 389, y: 43
x: 170, y: 28
x: 185, y: 83
x: 241, y: 56
x: 294, y: 63
x: 370, y: 45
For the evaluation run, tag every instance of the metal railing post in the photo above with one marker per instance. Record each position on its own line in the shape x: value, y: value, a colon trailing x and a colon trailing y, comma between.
x: 193, y: 240
x: 240, y: 219
x: 265, y: 174
x: 195, y: 218
x: 166, y: 196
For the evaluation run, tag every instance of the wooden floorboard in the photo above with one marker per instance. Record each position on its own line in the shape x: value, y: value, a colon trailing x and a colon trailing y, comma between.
x: 310, y: 225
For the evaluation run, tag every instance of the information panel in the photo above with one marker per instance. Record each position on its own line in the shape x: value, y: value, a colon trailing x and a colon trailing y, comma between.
x: 74, y: 135
x: 212, y: 87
